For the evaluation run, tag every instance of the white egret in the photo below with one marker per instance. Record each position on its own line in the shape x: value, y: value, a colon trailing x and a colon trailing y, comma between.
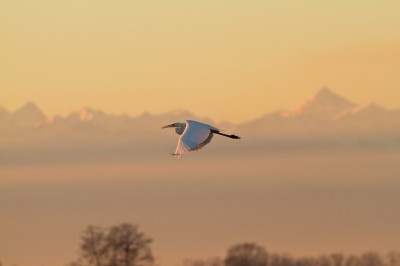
x: 194, y: 135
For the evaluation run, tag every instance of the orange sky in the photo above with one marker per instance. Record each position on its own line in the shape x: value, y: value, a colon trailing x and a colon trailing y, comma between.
x: 231, y: 60
x: 225, y: 59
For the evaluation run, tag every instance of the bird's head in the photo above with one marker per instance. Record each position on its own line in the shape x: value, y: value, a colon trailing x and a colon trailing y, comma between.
x: 174, y: 125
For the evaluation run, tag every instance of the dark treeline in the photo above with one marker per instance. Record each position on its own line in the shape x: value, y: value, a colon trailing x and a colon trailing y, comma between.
x: 126, y: 245
x: 251, y: 254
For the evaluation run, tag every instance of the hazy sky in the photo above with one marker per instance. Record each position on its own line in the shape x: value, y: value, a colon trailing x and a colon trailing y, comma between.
x: 197, y: 208
x: 231, y: 60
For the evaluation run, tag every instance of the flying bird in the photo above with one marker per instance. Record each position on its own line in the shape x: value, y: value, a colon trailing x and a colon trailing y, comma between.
x: 194, y: 135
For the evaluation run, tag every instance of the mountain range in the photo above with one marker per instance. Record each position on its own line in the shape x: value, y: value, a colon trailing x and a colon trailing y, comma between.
x: 325, y: 121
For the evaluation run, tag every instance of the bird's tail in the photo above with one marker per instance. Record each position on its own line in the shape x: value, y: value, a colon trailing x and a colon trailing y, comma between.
x: 225, y: 135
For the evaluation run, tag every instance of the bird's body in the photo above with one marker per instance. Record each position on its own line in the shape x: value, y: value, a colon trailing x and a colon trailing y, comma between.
x: 194, y: 135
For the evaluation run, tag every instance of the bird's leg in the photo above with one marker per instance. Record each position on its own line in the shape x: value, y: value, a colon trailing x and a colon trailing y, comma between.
x: 175, y: 154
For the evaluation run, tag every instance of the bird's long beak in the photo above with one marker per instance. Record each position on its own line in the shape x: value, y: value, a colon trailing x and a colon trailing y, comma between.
x: 172, y: 125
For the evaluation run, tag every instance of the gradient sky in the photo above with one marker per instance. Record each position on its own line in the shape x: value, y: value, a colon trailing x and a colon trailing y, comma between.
x: 225, y: 59
x: 232, y: 60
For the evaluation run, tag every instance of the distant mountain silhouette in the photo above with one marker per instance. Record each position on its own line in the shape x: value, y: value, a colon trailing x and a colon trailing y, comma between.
x: 326, y: 120
x: 324, y: 105
x: 325, y: 114
x: 27, y: 116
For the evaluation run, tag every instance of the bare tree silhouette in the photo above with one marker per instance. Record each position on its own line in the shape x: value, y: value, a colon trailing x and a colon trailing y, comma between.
x: 337, y: 259
x: 93, y: 246
x: 247, y: 254
x: 393, y: 258
x: 371, y: 259
x: 207, y: 262
x: 353, y: 261
x: 120, y: 245
x: 250, y: 254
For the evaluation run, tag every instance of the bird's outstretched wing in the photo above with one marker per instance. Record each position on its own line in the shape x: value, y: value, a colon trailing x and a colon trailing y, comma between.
x: 195, y: 137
